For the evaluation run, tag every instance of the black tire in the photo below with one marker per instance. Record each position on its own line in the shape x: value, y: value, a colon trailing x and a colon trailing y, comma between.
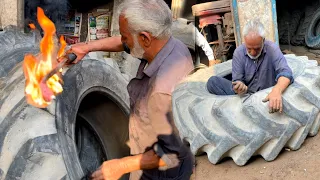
x: 282, y: 26
x: 299, y: 37
x: 224, y: 126
x: 313, y: 36
x: 13, y: 46
x: 94, y: 94
x: 28, y: 139
x: 288, y: 23
x: 28, y: 136
x: 57, y: 142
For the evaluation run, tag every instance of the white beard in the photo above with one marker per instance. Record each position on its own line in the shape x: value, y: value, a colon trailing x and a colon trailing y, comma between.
x: 137, y: 51
x: 254, y: 57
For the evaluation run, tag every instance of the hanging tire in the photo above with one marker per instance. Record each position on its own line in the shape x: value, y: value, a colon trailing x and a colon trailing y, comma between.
x: 225, y: 126
x: 313, y: 35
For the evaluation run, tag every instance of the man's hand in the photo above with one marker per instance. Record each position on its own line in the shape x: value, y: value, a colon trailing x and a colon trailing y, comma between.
x: 80, y: 49
x: 239, y: 87
x: 275, y: 100
x: 114, y: 169
x: 110, y: 170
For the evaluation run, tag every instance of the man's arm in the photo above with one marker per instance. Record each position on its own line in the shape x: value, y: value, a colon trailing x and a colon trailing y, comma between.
x: 238, y: 66
x: 238, y: 77
x: 284, y: 79
x: 282, y: 84
x: 162, y: 154
x: 116, y: 168
x: 110, y: 44
x: 203, y: 43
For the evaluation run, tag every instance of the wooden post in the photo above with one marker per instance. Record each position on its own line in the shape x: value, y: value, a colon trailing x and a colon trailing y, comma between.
x: 177, y: 8
x: 12, y: 13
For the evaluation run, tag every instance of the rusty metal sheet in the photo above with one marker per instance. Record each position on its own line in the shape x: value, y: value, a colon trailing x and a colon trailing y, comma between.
x: 264, y: 10
x: 213, y: 7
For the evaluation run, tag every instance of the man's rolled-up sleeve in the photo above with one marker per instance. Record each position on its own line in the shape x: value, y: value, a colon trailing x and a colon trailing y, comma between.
x: 281, y: 66
x: 169, y: 145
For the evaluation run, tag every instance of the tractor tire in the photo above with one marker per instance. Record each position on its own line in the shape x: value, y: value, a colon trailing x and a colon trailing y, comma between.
x: 66, y: 140
x: 299, y: 37
x: 95, y: 96
x: 241, y: 127
x: 86, y: 125
x: 28, y: 135
x: 13, y: 46
x: 313, y: 36
x: 28, y: 139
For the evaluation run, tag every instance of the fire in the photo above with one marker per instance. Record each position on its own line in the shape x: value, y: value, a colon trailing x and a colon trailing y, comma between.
x: 32, y: 26
x: 36, y: 67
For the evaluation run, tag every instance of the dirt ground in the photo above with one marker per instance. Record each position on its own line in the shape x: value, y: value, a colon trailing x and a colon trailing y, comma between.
x: 303, y: 164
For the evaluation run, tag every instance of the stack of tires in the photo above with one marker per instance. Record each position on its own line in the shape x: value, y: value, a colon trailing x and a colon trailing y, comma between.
x: 301, y: 26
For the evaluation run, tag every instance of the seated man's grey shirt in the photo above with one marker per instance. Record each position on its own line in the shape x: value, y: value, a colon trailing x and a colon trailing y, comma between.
x: 151, y: 123
x: 261, y: 73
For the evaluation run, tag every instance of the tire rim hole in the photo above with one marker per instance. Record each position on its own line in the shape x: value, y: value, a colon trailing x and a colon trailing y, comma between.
x: 89, y: 147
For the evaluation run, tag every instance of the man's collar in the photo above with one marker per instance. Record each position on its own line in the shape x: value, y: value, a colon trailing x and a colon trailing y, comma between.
x: 160, y: 57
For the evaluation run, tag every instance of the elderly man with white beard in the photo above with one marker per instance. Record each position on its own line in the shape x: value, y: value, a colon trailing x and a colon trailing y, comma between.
x: 257, y: 64
x: 156, y: 149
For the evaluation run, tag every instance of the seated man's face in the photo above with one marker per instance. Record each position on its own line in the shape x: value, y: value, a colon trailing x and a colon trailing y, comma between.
x: 254, y: 45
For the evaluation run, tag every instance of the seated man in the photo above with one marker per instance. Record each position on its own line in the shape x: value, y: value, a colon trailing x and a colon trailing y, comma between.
x: 257, y: 64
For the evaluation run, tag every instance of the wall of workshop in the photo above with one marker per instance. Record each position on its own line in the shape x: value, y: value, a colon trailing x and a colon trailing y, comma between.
x: 11, y: 13
x: 86, y: 7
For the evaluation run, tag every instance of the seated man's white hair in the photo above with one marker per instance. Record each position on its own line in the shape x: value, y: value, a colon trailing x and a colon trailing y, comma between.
x: 153, y: 16
x: 254, y: 26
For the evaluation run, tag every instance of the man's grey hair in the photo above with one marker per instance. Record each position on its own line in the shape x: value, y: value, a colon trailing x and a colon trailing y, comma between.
x: 153, y: 16
x: 254, y: 26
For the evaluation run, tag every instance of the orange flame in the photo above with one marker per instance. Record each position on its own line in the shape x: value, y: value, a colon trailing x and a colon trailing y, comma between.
x: 36, y: 67
x: 32, y: 26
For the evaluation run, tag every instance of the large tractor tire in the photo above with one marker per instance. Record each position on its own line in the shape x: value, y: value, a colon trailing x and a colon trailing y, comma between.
x: 86, y: 125
x: 313, y: 35
x: 241, y: 127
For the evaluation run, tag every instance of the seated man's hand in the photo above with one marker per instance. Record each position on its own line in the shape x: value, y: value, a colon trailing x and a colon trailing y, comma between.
x: 275, y: 100
x: 110, y: 170
x: 239, y: 87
